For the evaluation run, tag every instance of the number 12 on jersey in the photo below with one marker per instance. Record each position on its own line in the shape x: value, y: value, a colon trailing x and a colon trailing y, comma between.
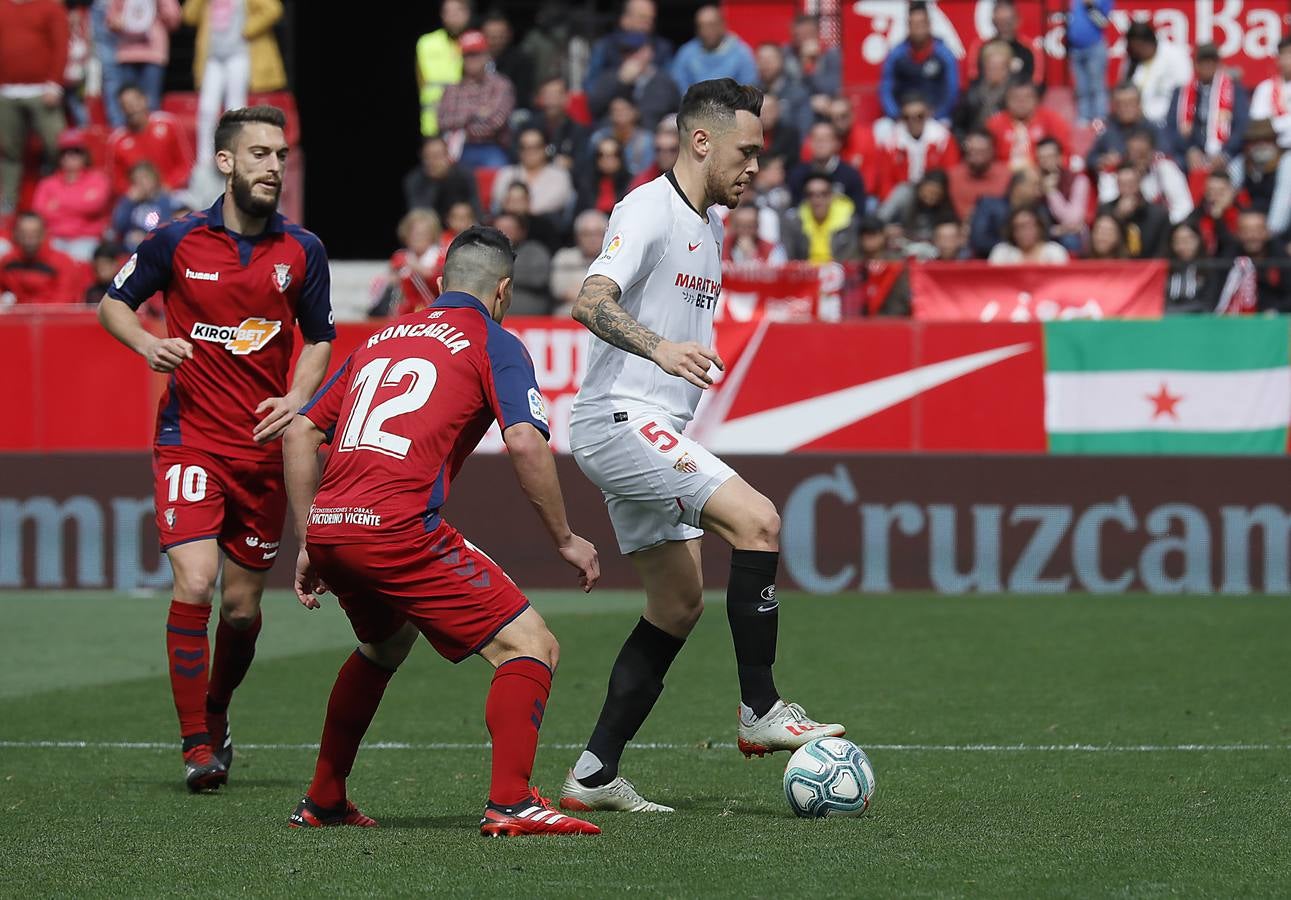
x: 364, y: 428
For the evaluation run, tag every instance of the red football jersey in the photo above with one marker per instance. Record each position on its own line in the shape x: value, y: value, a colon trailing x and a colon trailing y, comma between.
x: 235, y: 299
x: 406, y: 410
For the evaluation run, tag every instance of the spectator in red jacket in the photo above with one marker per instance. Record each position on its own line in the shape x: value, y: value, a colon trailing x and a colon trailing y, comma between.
x: 742, y: 243
x: 918, y: 144
x: 979, y: 175
x: 33, y: 54
x: 1023, y: 124
x: 419, y: 262
x: 34, y: 272
x: 152, y: 136
x: 75, y: 200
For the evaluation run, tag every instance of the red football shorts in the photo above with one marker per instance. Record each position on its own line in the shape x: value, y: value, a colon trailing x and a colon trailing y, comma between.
x: 451, y: 591
x: 240, y: 503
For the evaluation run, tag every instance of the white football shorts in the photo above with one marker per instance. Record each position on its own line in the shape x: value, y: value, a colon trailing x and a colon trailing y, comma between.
x: 655, y: 480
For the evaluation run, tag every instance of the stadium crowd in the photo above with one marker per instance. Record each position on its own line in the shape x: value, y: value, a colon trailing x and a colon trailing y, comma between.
x: 964, y: 159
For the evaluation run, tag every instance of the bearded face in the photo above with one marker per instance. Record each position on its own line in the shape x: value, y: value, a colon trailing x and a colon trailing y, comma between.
x: 256, y: 194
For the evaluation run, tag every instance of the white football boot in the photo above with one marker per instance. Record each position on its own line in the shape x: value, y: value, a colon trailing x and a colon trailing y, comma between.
x: 784, y: 727
x: 618, y: 796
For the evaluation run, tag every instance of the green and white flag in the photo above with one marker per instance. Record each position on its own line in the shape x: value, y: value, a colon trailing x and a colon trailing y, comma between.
x: 1202, y: 385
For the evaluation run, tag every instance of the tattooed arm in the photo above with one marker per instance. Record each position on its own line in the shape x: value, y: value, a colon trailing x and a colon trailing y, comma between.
x: 597, y: 308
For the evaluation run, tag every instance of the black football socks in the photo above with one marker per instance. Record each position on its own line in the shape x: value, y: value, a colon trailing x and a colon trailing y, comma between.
x: 753, y: 612
x: 636, y: 681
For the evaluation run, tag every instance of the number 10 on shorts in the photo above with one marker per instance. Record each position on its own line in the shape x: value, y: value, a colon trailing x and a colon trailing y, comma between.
x: 190, y: 481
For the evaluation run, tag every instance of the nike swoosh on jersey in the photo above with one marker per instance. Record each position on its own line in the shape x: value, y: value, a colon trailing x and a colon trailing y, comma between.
x: 791, y: 426
x: 694, y: 247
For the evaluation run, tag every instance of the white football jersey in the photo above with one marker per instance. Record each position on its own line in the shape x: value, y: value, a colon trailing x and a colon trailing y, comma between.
x: 667, y: 261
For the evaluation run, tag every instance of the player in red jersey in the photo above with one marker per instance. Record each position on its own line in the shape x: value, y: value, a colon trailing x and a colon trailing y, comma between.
x: 235, y: 279
x: 402, y: 415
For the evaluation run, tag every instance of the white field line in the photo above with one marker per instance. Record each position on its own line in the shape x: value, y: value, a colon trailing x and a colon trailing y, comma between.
x: 899, y: 748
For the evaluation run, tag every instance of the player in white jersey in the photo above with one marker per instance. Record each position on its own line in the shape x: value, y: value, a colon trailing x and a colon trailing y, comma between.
x: 649, y: 298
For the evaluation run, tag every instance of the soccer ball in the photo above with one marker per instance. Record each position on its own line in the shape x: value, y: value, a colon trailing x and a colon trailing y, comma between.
x: 829, y: 777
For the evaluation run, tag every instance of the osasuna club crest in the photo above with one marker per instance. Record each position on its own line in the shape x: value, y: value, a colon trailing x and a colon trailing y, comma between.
x: 281, y: 276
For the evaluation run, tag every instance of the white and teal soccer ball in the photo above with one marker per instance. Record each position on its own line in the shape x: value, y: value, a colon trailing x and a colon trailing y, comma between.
x: 829, y: 777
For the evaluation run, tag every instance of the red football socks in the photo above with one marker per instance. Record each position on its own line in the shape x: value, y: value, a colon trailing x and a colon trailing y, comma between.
x: 513, y: 713
x: 354, y: 701
x: 186, y: 656
x: 234, y: 650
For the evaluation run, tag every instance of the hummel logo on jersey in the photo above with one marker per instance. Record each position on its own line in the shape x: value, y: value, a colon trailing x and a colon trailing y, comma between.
x: 769, y: 601
x: 201, y: 276
x: 247, y: 337
x: 695, y: 246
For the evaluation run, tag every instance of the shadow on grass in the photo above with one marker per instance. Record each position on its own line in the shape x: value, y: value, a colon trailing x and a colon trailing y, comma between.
x: 439, y: 823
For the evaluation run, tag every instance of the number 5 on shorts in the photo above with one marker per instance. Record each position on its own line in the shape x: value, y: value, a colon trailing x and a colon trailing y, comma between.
x: 189, y: 481
x: 659, y: 437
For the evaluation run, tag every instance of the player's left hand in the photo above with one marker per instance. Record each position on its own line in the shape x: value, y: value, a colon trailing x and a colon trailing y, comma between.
x: 279, y: 411
x: 308, y: 584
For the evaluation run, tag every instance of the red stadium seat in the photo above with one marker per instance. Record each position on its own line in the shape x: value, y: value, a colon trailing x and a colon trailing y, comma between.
x: 484, y: 178
x: 578, y: 110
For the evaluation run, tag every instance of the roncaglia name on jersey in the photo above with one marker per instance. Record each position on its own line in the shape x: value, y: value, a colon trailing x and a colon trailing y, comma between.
x: 451, y: 337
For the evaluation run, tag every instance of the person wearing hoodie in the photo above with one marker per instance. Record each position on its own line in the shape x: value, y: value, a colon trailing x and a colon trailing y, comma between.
x: 712, y: 53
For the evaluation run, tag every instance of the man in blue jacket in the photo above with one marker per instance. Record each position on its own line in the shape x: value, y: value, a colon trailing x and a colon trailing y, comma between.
x: 921, y: 64
x: 712, y: 53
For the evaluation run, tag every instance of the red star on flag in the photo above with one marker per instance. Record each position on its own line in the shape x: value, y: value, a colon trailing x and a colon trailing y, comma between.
x: 1164, y: 403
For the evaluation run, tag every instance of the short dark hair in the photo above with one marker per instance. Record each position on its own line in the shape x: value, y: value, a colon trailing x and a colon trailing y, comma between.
x: 226, y: 133
x: 818, y: 176
x: 1284, y: 44
x: 1128, y: 166
x: 108, y: 250
x: 1141, y: 31
x: 913, y: 97
x: 806, y: 18
x: 476, y: 255
x: 129, y: 86
x: 1023, y: 211
x: 917, y: 6
x: 980, y: 133
x: 1141, y: 134
x: 718, y: 99
x: 1049, y: 140
x: 1020, y: 81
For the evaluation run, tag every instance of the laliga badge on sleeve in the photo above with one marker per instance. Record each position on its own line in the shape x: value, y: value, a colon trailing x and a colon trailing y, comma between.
x: 537, y: 408
x: 126, y: 271
x: 612, y: 248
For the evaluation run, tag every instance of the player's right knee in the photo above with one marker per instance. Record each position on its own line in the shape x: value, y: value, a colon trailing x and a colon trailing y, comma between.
x: 195, y: 587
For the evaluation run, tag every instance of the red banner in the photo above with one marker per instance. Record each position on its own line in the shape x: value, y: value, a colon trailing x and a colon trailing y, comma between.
x: 793, y: 292
x: 981, y: 292
x: 885, y: 385
x: 1247, y: 34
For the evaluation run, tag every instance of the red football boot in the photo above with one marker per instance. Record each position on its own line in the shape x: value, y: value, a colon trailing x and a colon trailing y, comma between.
x: 535, y: 816
x: 309, y: 814
x: 202, y: 771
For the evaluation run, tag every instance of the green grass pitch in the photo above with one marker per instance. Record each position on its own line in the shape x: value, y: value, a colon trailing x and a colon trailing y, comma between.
x: 1024, y: 747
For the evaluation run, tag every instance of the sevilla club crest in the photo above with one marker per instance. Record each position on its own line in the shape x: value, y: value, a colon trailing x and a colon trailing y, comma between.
x: 281, y: 276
